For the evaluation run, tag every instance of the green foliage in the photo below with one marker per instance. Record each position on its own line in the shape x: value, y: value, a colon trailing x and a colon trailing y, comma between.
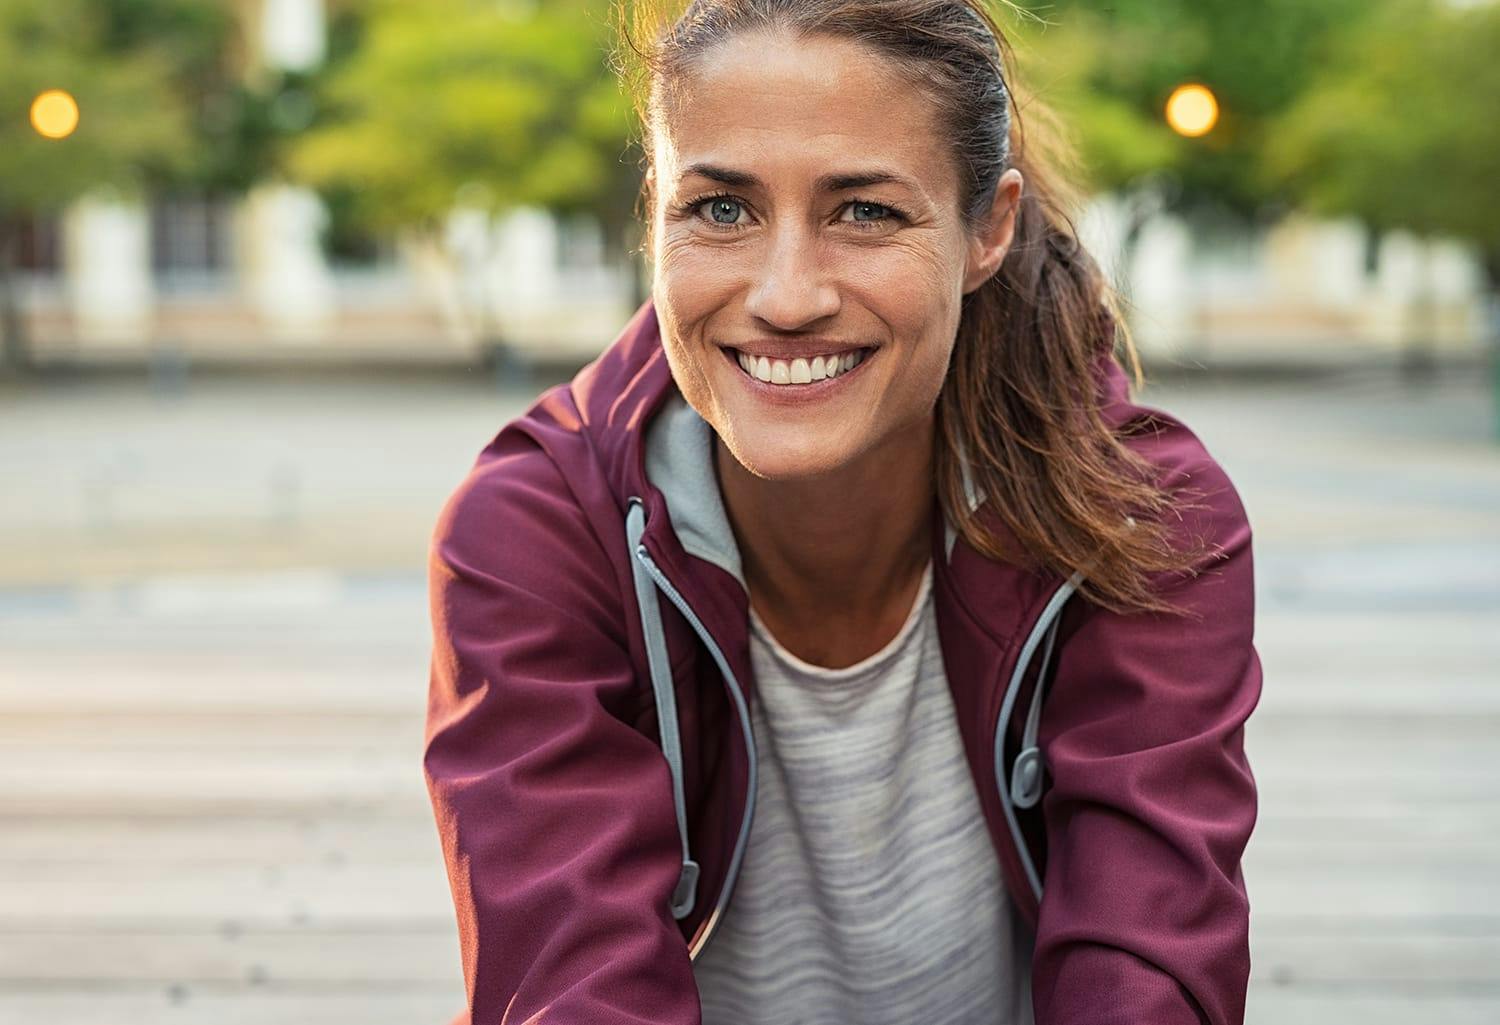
x: 1118, y: 143
x: 126, y: 62
x: 1403, y: 128
x: 504, y: 104
x: 1110, y: 65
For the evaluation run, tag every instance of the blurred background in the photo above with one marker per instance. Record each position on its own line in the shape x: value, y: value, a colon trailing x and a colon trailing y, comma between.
x: 273, y: 271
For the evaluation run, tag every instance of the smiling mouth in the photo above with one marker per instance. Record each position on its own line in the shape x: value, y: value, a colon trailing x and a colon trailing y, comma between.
x: 798, y: 372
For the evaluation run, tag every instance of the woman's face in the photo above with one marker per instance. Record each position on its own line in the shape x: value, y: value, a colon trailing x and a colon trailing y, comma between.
x: 806, y: 218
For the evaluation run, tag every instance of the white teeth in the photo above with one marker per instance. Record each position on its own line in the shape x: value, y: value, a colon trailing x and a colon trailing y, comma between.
x: 798, y: 371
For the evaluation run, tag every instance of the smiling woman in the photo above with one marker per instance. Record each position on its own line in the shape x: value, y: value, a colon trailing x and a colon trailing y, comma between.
x: 870, y: 441
x: 782, y: 203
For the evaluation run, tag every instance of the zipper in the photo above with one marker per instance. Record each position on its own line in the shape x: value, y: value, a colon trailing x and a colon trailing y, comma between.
x: 1050, y: 611
x: 676, y: 598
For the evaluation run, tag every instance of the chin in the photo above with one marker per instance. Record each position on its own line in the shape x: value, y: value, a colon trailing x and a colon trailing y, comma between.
x: 783, y: 454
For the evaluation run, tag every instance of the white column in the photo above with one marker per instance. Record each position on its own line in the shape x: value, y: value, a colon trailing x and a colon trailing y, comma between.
x: 1459, y: 294
x: 1162, y: 304
x: 1399, y: 280
x: 1429, y: 289
x: 523, y: 274
x: 286, y: 277
x: 107, y: 260
x: 1318, y: 263
x: 293, y: 34
x: 1102, y: 228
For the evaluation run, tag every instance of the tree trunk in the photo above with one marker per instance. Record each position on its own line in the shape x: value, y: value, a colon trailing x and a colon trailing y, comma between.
x: 15, y: 353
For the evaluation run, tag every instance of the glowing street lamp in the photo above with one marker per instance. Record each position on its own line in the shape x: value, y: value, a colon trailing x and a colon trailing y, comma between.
x: 1192, y: 110
x: 54, y: 114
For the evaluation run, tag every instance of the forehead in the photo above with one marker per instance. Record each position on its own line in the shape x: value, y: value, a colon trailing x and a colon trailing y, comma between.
x: 780, y: 106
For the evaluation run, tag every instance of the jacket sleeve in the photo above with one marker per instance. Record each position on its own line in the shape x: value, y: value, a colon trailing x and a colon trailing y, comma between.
x: 554, y: 813
x: 1144, y: 918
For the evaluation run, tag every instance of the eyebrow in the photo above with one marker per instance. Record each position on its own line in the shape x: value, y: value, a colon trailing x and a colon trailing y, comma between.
x: 826, y: 183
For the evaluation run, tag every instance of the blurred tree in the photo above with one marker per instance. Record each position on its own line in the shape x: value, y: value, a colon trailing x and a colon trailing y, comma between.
x: 503, y: 104
x: 1403, y: 129
x: 1110, y: 65
x: 473, y: 103
x: 143, y: 73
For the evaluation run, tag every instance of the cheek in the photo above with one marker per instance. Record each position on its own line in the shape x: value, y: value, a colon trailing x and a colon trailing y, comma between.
x: 690, y: 282
x: 909, y: 282
x: 690, y: 290
x: 918, y: 295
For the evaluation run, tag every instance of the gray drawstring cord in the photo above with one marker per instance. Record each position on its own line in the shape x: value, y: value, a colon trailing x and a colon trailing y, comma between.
x: 1025, y: 786
x: 686, y: 892
x: 1026, y: 775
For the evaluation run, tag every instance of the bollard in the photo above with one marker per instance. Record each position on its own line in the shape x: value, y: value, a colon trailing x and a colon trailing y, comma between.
x: 167, y: 369
x: 509, y: 369
x: 1494, y: 333
x: 1495, y: 382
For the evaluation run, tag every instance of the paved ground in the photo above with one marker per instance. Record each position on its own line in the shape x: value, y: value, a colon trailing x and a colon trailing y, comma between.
x: 213, y: 648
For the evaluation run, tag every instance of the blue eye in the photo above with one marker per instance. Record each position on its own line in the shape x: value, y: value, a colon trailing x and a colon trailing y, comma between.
x: 728, y: 208
x: 724, y: 212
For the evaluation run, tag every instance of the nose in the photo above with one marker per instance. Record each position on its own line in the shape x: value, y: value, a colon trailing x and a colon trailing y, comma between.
x: 792, y: 288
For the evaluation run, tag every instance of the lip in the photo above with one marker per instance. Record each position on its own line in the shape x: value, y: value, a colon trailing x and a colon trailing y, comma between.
x: 796, y: 395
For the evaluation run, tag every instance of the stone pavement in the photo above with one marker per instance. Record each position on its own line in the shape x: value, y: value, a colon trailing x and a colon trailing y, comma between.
x: 213, y: 644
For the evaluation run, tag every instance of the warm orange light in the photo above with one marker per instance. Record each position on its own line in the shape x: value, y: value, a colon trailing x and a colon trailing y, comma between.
x: 54, y: 114
x: 1192, y: 110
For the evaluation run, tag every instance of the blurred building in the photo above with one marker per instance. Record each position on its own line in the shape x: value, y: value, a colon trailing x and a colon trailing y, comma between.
x: 251, y: 277
x: 1300, y: 291
x: 254, y: 277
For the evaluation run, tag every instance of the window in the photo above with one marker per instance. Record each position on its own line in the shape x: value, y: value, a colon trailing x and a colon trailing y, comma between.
x: 192, y: 238
x: 38, y: 244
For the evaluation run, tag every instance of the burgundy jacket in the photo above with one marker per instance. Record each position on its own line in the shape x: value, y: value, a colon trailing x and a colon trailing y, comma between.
x: 567, y: 833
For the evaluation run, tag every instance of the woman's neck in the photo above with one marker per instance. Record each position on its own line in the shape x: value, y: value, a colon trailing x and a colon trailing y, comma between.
x: 833, y: 563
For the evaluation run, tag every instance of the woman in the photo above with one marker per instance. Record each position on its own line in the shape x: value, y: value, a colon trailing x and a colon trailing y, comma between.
x: 848, y: 583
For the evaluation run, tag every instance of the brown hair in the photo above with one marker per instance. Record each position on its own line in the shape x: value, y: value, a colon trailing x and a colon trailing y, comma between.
x: 1020, y: 405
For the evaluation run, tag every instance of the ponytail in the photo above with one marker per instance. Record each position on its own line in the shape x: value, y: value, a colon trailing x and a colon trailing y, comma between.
x: 1020, y: 416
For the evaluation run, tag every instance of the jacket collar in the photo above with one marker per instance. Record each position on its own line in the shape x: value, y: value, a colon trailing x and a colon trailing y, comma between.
x: 680, y: 464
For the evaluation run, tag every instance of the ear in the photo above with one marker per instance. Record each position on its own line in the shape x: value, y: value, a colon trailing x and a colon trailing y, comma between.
x: 988, y: 247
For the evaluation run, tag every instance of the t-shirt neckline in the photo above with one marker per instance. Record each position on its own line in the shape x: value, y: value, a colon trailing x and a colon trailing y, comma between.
x: 761, y: 632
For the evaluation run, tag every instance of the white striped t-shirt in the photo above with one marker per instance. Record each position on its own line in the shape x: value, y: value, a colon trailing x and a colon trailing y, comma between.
x: 870, y: 893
